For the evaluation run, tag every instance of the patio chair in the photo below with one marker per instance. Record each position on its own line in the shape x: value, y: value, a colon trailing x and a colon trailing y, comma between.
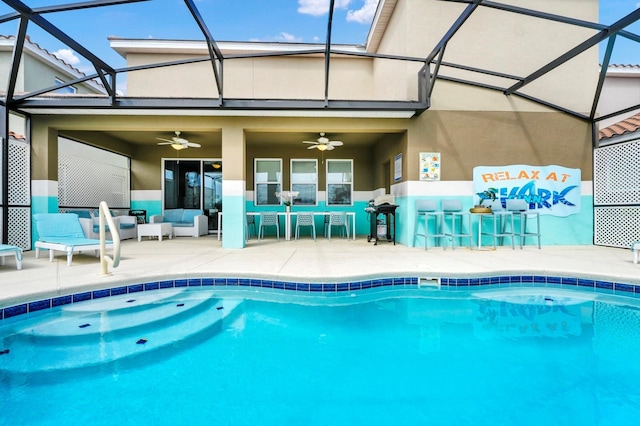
x: 7, y: 250
x: 63, y: 232
x: 521, y: 214
x: 305, y: 219
x: 338, y: 219
x: 428, y: 210
x: 501, y: 222
x: 90, y: 221
x: 457, y: 217
x: 251, y: 223
x: 268, y: 219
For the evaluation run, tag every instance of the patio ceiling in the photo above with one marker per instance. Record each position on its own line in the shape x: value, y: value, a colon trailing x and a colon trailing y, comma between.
x: 436, y: 66
x: 279, y: 138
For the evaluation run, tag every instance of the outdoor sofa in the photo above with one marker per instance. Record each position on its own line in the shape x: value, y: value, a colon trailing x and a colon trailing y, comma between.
x: 185, y: 222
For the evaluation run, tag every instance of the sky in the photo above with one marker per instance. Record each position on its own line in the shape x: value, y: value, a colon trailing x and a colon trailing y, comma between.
x: 239, y: 20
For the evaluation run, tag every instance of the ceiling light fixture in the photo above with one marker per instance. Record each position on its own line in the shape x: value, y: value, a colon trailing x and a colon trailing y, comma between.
x: 321, y: 147
x: 178, y: 146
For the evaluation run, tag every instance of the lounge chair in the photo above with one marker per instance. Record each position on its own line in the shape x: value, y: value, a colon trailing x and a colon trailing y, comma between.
x: 6, y: 250
x: 63, y: 232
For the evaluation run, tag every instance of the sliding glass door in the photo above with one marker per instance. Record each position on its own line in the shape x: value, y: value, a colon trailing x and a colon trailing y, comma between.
x: 194, y: 184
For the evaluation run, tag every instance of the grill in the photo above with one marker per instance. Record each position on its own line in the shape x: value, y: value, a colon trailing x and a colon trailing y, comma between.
x: 387, y: 224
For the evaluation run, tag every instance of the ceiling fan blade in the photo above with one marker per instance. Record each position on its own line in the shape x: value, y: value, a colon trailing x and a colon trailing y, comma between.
x: 313, y: 147
x: 330, y: 147
x: 313, y: 142
x: 165, y: 143
x: 192, y: 144
x: 166, y: 140
x: 335, y: 143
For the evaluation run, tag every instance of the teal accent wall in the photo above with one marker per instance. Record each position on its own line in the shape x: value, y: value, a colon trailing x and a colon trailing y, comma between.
x: 152, y: 207
x: 576, y: 229
x: 362, y: 218
x: 233, y: 222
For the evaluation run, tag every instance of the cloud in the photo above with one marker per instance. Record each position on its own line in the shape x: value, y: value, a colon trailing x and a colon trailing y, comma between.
x: 319, y: 7
x: 364, y: 15
x: 289, y: 38
x: 282, y: 37
x: 67, y: 55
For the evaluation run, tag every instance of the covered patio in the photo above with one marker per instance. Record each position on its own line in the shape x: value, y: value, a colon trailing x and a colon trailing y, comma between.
x: 458, y: 84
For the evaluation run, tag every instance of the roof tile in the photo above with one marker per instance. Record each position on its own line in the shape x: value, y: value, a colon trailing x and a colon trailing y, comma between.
x: 628, y: 125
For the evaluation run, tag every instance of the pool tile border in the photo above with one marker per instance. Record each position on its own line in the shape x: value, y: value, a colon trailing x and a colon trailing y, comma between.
x: 334, y: 288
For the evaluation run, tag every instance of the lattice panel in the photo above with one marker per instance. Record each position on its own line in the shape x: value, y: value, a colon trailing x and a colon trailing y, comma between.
x: 616, y: 174
x: 20, y: 227
x: 85, y: 182
x: 616, y: 226
x: 19, y: 173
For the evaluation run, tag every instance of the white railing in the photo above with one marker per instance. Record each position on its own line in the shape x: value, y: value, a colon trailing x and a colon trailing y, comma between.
x: 105, y: 216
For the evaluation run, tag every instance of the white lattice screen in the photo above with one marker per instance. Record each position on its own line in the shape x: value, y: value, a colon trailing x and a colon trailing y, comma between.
x: 616, y: 195
x: 19, y: 173
x: 89, y: 175
x: 19, y: 195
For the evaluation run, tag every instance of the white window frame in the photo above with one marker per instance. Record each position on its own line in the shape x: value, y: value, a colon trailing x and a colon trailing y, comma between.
x: 342, y: 182
x: 68, y: 89
x: 257, y: 182
x: 293, y: 181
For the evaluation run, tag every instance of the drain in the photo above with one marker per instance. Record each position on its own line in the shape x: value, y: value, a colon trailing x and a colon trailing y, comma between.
x: 428, y: 282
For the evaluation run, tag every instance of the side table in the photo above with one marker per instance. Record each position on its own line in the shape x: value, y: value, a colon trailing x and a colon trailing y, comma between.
x: 155, y: 230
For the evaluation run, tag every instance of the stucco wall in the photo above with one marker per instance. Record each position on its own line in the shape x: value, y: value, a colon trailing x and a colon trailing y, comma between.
x: 467, y: 139
x: 493, y: 40
x: 299, y: 77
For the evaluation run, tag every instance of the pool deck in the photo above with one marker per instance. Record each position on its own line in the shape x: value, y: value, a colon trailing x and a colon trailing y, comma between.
x: 303, y: 260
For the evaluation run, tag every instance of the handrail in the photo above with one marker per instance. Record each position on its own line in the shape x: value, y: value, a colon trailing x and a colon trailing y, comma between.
x: 105, y: 216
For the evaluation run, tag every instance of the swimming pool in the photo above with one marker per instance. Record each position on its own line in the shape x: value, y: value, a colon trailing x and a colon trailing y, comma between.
x: 211, y: 356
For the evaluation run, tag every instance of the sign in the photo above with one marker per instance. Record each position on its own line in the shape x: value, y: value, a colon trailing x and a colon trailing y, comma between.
x: 552, y: 190
x: 397, y: 175
x: 429, y: 166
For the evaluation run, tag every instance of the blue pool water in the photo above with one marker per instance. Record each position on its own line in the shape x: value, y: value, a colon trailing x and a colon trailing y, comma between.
x: 525, y: 357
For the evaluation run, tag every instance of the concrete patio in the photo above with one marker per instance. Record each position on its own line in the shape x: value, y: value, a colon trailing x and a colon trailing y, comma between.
x: 302, y: 260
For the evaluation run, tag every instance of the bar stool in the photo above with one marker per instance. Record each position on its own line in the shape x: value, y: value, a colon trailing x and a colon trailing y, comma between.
x: 501, y: 224
x: 452, y: 210
x: 521, y: 212
x: 428, y: 209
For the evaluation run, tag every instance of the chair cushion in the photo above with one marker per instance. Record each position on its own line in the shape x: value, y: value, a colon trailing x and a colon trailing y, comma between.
x: 182, y: 224
x: 85, y: 214
x: 189, y: 214
x: 127, y: 225
x: 173, y: 215
x: 58, y: 225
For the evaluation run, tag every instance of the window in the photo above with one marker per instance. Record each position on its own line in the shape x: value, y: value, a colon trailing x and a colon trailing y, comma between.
x: 267, y: 181
x: 67, y: 89
x: 304, y: 180
x: 339, y: 182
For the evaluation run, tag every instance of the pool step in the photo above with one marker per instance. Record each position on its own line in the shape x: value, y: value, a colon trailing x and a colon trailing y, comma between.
x: 124, y: 315
x: 48, y: 347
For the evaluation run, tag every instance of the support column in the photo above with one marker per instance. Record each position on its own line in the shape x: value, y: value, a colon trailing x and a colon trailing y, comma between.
x: 4, y: 179
x: 234, y: 218
x: 44, y: 178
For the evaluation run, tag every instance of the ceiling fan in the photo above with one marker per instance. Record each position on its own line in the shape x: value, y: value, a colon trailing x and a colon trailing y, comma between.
x: 323, y: 143
x: 178, y: 143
